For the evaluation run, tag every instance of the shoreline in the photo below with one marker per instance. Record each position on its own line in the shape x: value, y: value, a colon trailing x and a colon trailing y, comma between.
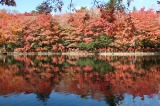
x: 85, y: 53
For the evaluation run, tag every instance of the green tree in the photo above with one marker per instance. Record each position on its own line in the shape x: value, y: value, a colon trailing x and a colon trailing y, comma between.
x: 83, y: 8
x: 114, y: 5
x: 44, y: 7
x: 34, y: 12
x: 57, y: 3
x: 8, y: 2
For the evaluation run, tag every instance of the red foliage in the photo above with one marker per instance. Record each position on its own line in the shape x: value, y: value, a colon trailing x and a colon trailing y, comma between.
x: 10, y: 27
x: 44, y: 32
x: 147, y: 24
x: 42, y: 78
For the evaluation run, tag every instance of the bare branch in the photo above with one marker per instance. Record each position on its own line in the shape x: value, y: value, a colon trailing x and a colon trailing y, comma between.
x: 71, y: 6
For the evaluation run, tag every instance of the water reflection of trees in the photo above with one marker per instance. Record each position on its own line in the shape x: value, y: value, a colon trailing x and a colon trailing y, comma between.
x: 100, y: 77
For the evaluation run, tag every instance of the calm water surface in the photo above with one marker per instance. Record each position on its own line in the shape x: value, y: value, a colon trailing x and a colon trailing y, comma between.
x: 79, y: 81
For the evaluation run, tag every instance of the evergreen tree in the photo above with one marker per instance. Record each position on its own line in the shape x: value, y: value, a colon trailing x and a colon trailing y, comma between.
x: 134, y: 8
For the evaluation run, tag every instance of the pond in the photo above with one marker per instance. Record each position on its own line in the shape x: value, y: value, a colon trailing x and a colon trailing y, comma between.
x: 79, y: 81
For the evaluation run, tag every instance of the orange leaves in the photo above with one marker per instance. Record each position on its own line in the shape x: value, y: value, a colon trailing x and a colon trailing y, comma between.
x: 60, y: 33
x: 44, y: 20
x: 87, y: 40
x: 146, y: 22
x: 2, y: 39
x: 88, y: 68
x: 10, y: 27
x: 40, y: 32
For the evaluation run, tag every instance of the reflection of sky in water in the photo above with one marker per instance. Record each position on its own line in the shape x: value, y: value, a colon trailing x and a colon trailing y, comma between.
x: 55, y: 99
x: 60, y: 99
x: 129, y: 100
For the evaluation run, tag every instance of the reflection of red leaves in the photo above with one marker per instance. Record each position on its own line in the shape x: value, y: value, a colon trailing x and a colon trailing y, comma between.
x: 54, y: 60
x: 46, y: 75
x: 125, y: 78
x: 106, y: 77
x: 88, y: 68
x: 78, y: 68
x: 55, y: 69
x: 44, y: 88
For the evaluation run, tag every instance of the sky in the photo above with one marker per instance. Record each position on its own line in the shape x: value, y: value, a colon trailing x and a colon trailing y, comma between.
x: 29, y: 5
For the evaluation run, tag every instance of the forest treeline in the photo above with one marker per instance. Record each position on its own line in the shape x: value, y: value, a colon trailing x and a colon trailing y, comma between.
x: 84, y: 30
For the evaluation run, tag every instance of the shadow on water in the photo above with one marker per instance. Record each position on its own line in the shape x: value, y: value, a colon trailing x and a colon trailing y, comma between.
x: 105, y: 79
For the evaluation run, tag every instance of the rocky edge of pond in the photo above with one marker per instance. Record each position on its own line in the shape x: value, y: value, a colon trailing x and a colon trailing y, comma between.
x: 84, y: 53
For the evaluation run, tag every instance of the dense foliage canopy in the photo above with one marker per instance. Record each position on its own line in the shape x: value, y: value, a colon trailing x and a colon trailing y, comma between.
x: 97, y: 30
x: 108, y: 28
